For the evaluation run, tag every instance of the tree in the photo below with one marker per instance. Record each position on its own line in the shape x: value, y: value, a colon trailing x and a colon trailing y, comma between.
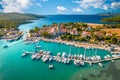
x: 36, y: 29
x: 46, y: 34
x: 84, y: 25
x: 31, y: 31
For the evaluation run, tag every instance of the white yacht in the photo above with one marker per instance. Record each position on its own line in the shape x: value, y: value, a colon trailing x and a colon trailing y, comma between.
x: 33, y: 56
x: 24, y: 54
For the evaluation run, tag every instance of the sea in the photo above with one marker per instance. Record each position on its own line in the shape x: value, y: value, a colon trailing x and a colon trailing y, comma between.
x: 15, y: 67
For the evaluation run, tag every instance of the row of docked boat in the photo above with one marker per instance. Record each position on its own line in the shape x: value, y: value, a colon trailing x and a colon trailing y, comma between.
x: 112, y: 56
x: 77, y: 59
x: 80, y: 57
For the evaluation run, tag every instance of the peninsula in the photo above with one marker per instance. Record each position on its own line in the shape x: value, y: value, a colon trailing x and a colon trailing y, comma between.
x: 9, y: 22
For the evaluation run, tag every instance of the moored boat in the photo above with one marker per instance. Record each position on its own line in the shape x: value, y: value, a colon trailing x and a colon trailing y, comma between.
x: 33, y: 56
x: 100, y: 64
x: 51, y: 67
x: 5, y: 46
x: 24, y: 54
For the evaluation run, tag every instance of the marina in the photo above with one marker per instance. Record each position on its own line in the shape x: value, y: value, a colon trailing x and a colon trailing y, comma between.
x: 77, y: 59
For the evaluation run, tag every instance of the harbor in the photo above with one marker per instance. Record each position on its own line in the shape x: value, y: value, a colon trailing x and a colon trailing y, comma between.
x: 76, y: 59
x: 38, y: 57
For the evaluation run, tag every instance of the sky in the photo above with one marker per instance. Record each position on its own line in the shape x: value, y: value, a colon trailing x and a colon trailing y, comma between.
x: 50, y: 7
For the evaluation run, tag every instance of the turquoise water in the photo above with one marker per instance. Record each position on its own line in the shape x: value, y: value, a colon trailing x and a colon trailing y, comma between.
x: 14, y: 67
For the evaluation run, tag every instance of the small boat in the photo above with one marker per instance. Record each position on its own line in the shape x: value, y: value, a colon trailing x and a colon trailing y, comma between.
x: 38, y: 57
x: 82, y: 63
x: 69, y: 55
x: 107, y: 57
x: 33, y: 56
x: 5, y: 46
x: 68, y: 61
x: 65, y: 61
x: 45, y: 59
x: 48, y: 52
x: 58, y: 54
x: 51, y: 58
x: 100, y: 64
x: 37, y: 47
x: 64, y: 54
x: 24, y: 54
x: 76, y: 62
x: 98, y: 58
x: 51, y: 67
x: 60, y: 60
x: 90, y: 63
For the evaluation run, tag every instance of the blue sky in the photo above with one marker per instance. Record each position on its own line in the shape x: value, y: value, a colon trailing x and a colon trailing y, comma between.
x: 46, y: 7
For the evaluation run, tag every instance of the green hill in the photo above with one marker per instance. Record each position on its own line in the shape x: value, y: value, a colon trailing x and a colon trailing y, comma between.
x: 18, y: 16
x: 112, y: 19
x: 15, y: 19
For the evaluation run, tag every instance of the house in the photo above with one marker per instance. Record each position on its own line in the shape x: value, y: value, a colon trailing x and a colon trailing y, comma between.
x: 86, y: 34
x: 99, y: 33
x: 53, y: 31
x: 89, y: 28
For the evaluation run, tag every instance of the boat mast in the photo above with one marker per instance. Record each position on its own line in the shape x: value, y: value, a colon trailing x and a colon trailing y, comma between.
x: 46, y: 45
x: 84, y: 52
x: 95, y: 51
x: 70, y: 49
x: 78, y: 50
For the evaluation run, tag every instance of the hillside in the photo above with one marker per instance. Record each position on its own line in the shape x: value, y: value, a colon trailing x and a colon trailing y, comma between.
x: 9, y: 20
x: 108, y: 14
x: 18, y: 16
x: 112, y: 19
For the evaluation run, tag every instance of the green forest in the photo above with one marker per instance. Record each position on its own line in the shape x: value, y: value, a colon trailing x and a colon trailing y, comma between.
x: 15, y: 19
x: 112, y: 19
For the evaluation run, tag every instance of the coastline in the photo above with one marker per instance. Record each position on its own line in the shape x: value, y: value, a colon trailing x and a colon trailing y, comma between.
x: 73, y: 43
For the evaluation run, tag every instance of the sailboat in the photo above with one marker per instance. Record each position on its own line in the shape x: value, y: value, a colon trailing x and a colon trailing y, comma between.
x: 98, y: 58
x: 84, y: 57
x: 69, y: 55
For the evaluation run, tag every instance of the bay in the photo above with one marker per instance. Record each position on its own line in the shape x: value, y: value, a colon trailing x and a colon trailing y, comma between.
x: 14, y: 67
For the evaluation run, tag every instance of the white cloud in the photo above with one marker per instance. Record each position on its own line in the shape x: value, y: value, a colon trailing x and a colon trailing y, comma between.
x: 38, y: 4
x: 97, y: 4
x: 115, y: 5
x: 61, y: 8
x: 77, y: 10
x: 15, y: 5
x: 85, y: 4
x: 19, y: 5
x: 106, y: 7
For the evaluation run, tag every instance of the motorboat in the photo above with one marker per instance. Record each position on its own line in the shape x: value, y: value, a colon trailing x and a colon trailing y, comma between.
x: 24, y: 54
x: 5, y: 46
x: 33, y: 56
